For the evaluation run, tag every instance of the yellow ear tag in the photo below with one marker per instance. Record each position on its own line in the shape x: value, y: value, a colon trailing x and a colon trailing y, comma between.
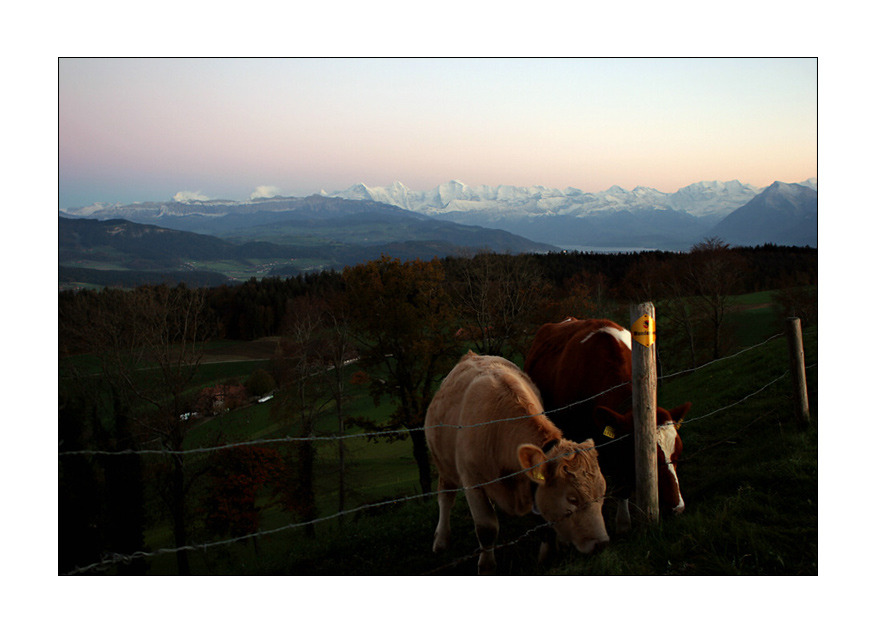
x: 608, y: 432
x: 538, y: 475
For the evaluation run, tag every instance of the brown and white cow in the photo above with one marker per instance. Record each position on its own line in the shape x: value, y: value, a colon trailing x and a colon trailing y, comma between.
x: 518, y: 461
x: 575, y: 361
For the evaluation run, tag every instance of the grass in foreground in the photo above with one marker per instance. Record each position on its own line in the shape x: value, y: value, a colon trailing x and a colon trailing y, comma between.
x: 749, y: 478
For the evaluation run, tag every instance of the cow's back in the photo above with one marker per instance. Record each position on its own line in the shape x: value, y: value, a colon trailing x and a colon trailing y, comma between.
x: 583, y: 363
x: 483, y: 411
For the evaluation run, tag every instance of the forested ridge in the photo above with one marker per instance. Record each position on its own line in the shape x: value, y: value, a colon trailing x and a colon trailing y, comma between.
x: 256, y: 308
x: 132, y: 372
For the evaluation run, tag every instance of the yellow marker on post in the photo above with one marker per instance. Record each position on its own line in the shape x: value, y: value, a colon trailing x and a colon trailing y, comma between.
x: 644, y: 330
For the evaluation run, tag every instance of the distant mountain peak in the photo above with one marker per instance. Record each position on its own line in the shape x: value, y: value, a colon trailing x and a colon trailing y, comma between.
x: 786, y: 189
x: 783, y: 213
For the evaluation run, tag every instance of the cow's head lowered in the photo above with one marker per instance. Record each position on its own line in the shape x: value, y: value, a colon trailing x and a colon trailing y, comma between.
x: 570, y: 491
x: 669, y: 447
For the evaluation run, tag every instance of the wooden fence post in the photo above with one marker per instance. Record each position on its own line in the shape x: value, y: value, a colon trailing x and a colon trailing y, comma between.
x: 644, y: 378
x: 794, y: 334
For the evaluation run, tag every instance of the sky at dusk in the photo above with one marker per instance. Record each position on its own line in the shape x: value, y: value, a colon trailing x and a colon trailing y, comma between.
x: 146, y: 129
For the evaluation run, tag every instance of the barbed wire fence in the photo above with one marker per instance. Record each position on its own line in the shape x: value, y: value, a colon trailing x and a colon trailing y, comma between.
x: 111, y: 559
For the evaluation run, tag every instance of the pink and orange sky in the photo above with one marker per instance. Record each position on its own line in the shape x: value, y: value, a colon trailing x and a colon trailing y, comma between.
x: 146, y: 129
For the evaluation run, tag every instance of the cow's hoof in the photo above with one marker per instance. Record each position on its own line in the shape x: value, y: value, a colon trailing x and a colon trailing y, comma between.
x: 487, y: 564
x: 441, y: 542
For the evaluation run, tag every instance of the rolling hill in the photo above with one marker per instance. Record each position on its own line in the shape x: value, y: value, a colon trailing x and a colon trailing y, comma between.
x: 296, y: 236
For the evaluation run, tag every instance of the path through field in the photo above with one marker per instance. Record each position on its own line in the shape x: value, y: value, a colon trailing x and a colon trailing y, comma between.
x: 235, y: 351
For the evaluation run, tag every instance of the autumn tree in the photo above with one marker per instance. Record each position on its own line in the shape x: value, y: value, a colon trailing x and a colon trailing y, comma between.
x: 593, y: 293
x: 576, y: 299
x: 403, y: 326
x: 237, y: 476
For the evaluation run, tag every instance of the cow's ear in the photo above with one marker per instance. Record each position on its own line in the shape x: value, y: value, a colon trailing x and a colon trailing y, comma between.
x: 611, y: 423
x: 532, y: 460
x: 589, y: 446
x: 678, y: 413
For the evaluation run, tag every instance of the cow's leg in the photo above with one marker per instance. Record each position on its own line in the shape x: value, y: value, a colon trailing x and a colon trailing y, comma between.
x: 622, y: 521
x: 548, y: 550
x: 486, y: 528
x: 446, y: 498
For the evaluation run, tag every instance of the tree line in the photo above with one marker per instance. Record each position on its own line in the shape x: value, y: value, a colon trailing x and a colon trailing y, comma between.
x: 405, y: 323
x: 257, y: 308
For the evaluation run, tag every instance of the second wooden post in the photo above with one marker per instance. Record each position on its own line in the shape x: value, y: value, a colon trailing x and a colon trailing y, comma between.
x: 794, y: 334
x: 644, y: 378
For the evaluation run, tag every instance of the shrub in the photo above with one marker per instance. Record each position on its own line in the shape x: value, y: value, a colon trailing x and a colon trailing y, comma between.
x: 260, y: 383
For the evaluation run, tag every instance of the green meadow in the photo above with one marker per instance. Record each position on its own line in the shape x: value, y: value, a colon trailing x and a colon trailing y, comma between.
x: 748, y: 475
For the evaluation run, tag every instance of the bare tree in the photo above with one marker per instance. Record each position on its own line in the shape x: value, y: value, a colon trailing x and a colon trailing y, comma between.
x: 301, y: 399
x: 715, y: 273
x: 337, y: 354
x: 148, y: 342
x: 496, y: 296
x: 677, y: 311
x: 314, y: 350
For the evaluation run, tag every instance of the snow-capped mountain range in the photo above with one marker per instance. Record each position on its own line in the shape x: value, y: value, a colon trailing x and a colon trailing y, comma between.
x: 568, y: 218
x: 707, y: 199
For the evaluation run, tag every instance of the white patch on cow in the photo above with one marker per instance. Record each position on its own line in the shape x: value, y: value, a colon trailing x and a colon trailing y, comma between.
x: 666, y: 435
x: 621, y: 335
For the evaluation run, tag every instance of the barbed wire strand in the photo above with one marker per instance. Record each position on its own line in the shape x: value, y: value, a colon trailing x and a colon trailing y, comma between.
x: 114, y: 558
x: 330, y: 438
x: 723, y: 358
x: 335, y: 438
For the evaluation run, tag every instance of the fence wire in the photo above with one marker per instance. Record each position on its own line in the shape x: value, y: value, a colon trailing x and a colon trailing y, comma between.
x: 111, y: 559
x: 336, y: 438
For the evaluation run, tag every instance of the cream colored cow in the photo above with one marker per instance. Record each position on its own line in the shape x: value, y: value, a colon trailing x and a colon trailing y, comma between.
x: 498, y: 461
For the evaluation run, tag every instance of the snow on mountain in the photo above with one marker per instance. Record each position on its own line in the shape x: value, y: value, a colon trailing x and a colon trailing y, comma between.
x: 704, y: 199
x: 707, y: 200
x: 91, y: 209
x: 180, y: 206
x: 785, y: 214
x: 712, y: 198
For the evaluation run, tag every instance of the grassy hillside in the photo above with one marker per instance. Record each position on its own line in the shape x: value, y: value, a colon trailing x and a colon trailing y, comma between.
x: 749, y: 478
